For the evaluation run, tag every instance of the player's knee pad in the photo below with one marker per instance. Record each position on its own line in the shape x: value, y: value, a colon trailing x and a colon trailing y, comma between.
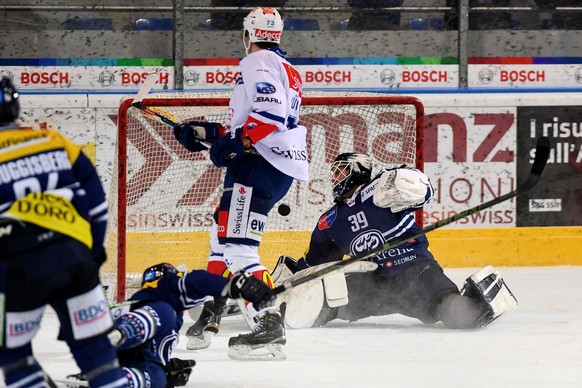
x: 488, y: 287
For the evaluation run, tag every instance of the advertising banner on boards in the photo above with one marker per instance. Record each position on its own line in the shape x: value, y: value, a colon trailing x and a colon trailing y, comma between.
x: 557, y: 200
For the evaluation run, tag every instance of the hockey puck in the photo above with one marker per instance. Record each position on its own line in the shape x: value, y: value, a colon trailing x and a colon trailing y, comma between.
x: 284, y: 210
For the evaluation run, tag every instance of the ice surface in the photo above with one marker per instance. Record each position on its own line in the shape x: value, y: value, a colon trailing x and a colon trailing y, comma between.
x: 538, y: 345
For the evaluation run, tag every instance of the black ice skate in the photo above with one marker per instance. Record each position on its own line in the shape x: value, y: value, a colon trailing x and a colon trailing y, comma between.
x: 267, y: 339
x: 201, y: 332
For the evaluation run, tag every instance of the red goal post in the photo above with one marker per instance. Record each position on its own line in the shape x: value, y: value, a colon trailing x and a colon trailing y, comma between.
x: 162, y: 197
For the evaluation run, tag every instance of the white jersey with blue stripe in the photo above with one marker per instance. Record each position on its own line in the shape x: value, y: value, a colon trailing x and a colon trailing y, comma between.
x: 266, y: 103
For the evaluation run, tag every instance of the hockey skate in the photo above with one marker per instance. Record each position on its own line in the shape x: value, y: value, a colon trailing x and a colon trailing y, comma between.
x: 201, y: 332
x: 264, y: 342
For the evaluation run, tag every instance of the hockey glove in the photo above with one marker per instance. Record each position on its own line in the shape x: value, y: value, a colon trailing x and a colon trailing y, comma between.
x: 227, y: 147
x: 178, y: 372
x: 189, y: 135
x: 244, y: 284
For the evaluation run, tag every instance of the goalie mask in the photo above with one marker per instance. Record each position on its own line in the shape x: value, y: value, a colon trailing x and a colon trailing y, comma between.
x: 262, y: 24
x: 349, y: 170
x: 156, y: 272
x: 9, y: 105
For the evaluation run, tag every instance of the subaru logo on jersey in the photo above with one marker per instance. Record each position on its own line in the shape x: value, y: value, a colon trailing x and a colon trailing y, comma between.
x: 367, y: 241
x: 268, y: 99
x: 256, y: 226
x: 265, y: 88
x: 90, y: 313
x: 326, y: 220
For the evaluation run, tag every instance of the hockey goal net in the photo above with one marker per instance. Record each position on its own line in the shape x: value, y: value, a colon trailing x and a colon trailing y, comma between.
x: 163, y: 197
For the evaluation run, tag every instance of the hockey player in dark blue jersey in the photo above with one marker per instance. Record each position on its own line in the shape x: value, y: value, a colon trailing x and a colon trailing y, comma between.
x: 407, y: 279
x: 147, y: 325
x: 53, y: 215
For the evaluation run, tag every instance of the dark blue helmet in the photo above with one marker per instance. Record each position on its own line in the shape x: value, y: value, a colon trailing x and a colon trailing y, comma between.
x: 349, y: 170
x: 156, y: 272
x: 9, y: 105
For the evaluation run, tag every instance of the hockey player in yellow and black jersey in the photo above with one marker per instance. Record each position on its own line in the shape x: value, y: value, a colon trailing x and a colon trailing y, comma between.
x: 53, y: 215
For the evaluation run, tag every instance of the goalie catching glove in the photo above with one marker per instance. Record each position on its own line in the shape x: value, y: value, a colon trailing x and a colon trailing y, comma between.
x: 244, y: 285
x: 401, y: 189
x: 191, y: 134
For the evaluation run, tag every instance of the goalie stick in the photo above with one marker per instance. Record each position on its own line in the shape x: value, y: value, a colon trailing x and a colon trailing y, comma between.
x: 160, y: 114
x: 540, y: 160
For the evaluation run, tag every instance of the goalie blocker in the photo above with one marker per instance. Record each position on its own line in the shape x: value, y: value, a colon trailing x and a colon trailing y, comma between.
x: 315, y: 303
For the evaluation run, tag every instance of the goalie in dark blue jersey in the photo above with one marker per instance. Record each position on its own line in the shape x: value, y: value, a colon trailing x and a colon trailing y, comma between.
x: 369, y: 212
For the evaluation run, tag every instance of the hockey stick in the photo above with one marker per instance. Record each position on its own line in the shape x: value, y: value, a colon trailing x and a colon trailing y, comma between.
x: 160, y: 114
x: 72, y: 383
x: 540, y: 160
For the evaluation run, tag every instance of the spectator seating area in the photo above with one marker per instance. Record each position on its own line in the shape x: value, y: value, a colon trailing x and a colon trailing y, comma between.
x: 88, y: 24
x: 151, y: 24
x: 154, y: 24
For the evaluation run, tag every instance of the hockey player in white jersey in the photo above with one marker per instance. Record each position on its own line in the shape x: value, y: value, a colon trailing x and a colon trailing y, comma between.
x: 263, y: 148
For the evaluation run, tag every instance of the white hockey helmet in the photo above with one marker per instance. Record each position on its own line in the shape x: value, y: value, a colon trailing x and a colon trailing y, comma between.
x: 262, y: 24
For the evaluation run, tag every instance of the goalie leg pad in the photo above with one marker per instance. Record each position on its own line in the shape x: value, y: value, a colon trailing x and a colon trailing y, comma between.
x: 335, y: 289
x: 487, y: 286
x: 302, y: 304
x: 285, y: 268
x: 305, y: 303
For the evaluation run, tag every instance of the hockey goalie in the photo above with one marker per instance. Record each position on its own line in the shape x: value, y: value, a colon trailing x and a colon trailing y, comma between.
x: 369, y: 212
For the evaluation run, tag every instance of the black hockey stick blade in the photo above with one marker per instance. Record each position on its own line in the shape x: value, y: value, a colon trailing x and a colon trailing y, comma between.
x: 541, y: 158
